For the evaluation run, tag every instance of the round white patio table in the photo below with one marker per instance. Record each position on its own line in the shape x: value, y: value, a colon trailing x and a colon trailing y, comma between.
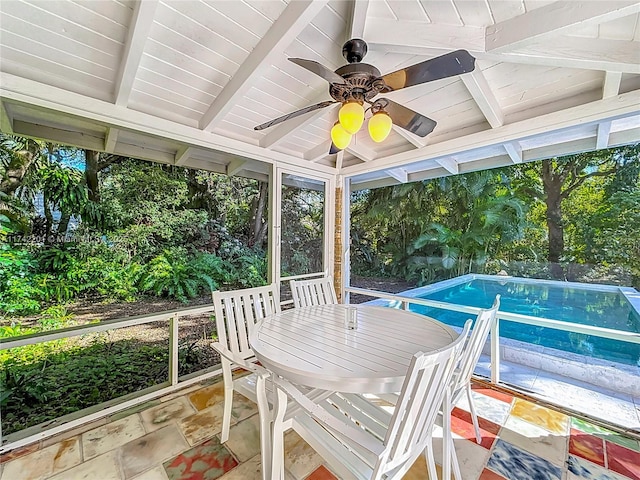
x: 312, y: 346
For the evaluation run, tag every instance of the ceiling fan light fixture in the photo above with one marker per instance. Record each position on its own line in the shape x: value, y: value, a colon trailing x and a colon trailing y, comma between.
x: 380, y: 125
x: 340, y: 137
x: 351, y: 116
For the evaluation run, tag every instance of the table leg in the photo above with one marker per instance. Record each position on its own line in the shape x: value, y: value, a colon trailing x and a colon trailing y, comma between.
x: 265, y: 426
x: 277, y: 445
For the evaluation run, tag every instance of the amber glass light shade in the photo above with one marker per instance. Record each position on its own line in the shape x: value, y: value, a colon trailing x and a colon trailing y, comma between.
x: 351, y: 116
x: 340, y: 137
x: 380, y: 126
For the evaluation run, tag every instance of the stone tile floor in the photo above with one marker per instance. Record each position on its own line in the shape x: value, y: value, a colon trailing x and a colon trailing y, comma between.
x: 177, y: 438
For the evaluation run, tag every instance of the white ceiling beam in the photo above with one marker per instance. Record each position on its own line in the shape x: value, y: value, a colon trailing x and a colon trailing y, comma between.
x: 58, y: 135
x: 357, y: 19
x: 363, y: 152
x: 279, y: 133
x: 412, y: 138
x: 182, y: 155
x: 479, y: 89
x: 339, y: 160
x: 577, y: 52
x: 400, y: 174
x: 235, y: 166
x: 15, y: 89
x: 611, y: 85
x: 449, y: 164
x: 554, y: 19
x: 318, y: 152
x: 622, y: 105
x: 143, y: 153
x: 602, y: 136
x: 143, y: 13
x: 6, y: 122
x: 437, y: 37
x: 514, y: 150
x: 295, y: 18
x: 110, y: 139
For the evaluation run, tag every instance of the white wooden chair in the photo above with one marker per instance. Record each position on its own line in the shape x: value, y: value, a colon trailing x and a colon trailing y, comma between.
x: 362, y: 441
x: 236, y: 313
x: 317, y: 291
x: 470, y: 356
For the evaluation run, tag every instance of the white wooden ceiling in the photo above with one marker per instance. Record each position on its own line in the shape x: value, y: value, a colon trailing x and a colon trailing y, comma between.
x: 185, y: 81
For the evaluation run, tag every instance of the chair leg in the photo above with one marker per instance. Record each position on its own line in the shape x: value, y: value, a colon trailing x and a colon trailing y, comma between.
x: 277, y: 444
x: 228, y: 399
x: 474, y: 415
x: 431, y: 461
x: 454, y: 461
x: 447, y: 439
x: 265, y: 427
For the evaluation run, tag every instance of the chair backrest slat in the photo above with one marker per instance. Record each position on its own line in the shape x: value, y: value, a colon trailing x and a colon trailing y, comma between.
x: 420, y: 399
x: 237, y: 312
x: 318, y: 291
x: 474, y: 344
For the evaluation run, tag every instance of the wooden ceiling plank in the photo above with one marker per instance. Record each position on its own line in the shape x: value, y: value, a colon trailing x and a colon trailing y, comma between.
x: 295, y: 18
x: 479, y: 89
x: 553, y: 19
x: 418, y: 34
x: 143, y: 14
x: 57, y: 135
x: 449, y: 163
x: 622, y: 105
x: 357, y: 19
x: 6, y: 121
x: 602, y: 136
x: 363, y: 152
x: 19, y: 90
x: 282, y: 131
x: 611, y: 85
x: 182, y: 155
x: 400, y: 174
x: 514, y: 150
x: 235, y: 166
x: 110, y: 139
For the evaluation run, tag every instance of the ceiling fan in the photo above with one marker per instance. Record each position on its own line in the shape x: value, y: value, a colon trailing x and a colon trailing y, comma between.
x: 356, y: 84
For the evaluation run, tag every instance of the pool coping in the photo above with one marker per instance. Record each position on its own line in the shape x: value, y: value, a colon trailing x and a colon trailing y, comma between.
x: 620, y: 377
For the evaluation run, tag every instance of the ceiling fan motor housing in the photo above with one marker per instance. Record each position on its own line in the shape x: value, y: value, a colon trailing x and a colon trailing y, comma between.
x: 362, y: 82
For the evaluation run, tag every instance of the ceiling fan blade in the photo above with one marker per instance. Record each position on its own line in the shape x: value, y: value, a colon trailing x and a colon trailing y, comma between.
x: 297, y: 113
x: 444, y: 66
x: 319, y: 69
x: 406, y: 118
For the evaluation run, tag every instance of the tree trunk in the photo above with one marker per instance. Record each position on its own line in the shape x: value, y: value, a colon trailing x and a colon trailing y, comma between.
x: 16, y: 170
x: 553, y: 199
x: 92, y: 162
x: 258, y: 224
x: 63, y: 224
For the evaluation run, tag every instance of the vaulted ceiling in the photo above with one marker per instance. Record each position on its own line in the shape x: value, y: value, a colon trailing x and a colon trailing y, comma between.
x: 185, y: 81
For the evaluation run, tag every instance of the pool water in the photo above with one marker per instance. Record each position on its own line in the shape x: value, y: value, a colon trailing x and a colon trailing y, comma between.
x: 608, y: 309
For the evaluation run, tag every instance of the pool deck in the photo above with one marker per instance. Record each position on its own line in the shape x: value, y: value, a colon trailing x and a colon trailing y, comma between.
x: 178, y: 438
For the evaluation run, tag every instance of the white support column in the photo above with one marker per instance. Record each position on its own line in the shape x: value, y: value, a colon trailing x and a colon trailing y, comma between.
x: 173, y: 350
x: 274, y: 219
x: 611, y: 85
x: 346, y: 237
x: 495, y: 351
x: 110, y: 139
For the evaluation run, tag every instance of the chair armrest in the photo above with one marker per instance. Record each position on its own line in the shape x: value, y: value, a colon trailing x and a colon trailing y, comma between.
x: 346, y: 430
x: 228, y: 354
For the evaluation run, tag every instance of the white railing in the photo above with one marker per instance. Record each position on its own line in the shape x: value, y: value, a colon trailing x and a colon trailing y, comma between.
x: 512, y: 317
x: 174, y: 382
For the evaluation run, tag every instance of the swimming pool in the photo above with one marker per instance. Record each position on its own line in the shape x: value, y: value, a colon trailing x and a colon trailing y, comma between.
x: 597, y: 305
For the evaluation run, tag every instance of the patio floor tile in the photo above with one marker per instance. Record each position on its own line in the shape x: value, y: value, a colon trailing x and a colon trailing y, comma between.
x: 471, y: 456
x: 489, y: 392
x: 249, y: 470
x: 244, y: 438
x: 147, y: 451
x: 587, y: 446
x: 104, y: 467
x: 516, y: 464
x: 208, y: 396
x: 605, y: 434
x: 322, y: 473
x: 300, y: 458
x: 43, y: 463
x: 207, y: 461
x: 490, y: 475
x: 491, y: 408
x: 418, y: 471
x: 581, y: 469
x: 19, y: 452
x: 551, y: 420
x: 111, y: 436
x: 156, y: 473
x: 461, y: 424
x: 623, y: 460
x: 535, y: 440
x: 165, y: 413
